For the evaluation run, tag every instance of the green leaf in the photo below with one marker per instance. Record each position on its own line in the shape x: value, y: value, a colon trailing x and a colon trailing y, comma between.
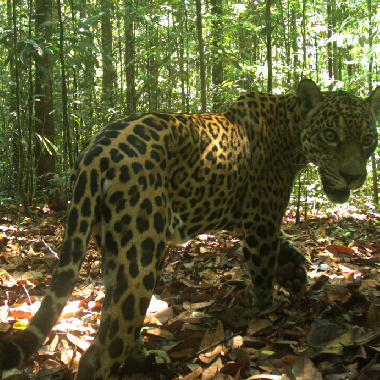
x: 49, y: 146
x: 267, y: 30
x: 236, y: 64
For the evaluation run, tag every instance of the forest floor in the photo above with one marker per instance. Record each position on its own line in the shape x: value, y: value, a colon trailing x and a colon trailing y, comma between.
x: 201, y: 313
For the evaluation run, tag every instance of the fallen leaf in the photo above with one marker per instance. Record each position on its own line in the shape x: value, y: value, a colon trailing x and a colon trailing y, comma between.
x: 304, y: 369
x: 335, y: 249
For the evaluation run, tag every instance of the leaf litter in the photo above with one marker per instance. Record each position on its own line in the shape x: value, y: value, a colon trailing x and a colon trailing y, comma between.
x: 201, y: 315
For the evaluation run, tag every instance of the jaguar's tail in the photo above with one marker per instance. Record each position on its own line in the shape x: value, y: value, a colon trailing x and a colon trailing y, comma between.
x: 78, y: 231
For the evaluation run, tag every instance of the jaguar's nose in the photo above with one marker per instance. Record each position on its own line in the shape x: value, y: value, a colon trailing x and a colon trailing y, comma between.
x: 350, y: 177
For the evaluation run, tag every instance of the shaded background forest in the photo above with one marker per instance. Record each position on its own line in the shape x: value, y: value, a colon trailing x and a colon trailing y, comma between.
x: 69, y: 67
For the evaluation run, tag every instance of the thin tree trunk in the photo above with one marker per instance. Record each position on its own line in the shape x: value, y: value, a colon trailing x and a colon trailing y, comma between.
x: 295, y: 43
x: 370, y: 43
x: 182, y: 74
x: 285, y: 39
x: 89, y: 81
x: 67, y: 154
x: 108, y: 77
x: 169, y: 48
x: 17, y: 138
x: 44, y: 152
x: 130, y: 58
x: 13, y: 94
x: 298, y: 211
x: 329, y: 44
x: 151, y: 69
x: 217, y: 61
x: 201, y: 55
x: 288, y: 42
x: 335, y: 44
x: 304, y: 65
x: 316, y: 48
x: 269, y: 46
x: 77, y: 120
x: 375, y: 189
x: 30, y: 182
x: 187, y: 62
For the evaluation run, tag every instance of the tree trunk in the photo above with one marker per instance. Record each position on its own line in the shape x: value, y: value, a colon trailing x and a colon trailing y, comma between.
x: 304, y: 63
x: 181, y: 14
x: 201, y: 55
x: 67, y: 152
x: 44, y: 152
x: 335, y: 44
x: 17, y: 138
x: 375, y: 189
x: 77, y: 120
x: 151, y: 68
x: 13, y: 94
x: 329, y: 44
x: 108, y: 77
x: 187, y: 62
x: 217, y: 60
x: 29, y: 167
x: 269, y: 46
x: 130, y: 58
x: 370, y: 43
x: 295, y: 43
x: 89, y: 82
x: 316, y: 48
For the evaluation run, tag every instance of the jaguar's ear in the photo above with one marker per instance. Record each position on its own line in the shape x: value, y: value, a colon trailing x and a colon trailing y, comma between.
x: 309, y: 96
x: 374, y: 102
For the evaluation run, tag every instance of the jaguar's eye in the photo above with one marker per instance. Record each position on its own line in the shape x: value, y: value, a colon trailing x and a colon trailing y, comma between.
x: 368, y: 140
x: 330, y: 135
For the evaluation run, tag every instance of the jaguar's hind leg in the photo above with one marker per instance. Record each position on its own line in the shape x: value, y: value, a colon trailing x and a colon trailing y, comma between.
x: 131, y: 265
x: 124, y: 307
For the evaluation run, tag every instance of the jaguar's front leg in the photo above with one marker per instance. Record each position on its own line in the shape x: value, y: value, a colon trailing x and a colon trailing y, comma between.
x: 260, y: 248
x: 291, y: 271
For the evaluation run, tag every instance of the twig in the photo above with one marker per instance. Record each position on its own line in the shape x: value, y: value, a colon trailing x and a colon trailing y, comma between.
x: 210, y: 347
x: 51, y: 250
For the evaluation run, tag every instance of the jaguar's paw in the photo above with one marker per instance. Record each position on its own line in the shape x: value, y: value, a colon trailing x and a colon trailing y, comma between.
x: 291, y: 271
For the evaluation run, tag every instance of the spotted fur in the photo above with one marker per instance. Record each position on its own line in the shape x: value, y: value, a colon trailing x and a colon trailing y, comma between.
x: 143, y: 181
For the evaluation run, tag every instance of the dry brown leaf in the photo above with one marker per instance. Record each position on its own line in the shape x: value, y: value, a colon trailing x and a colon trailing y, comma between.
x: 304, y: 369
x: 373, y: 315
x: 322, y: 332
x: 211, y: 339
x: 19, y: 314
x: 209, y: 372
x: 220, y: 376
x: 270, y: 364
x: 185, y: 353
x: 159, y: 333
x: 193, y: 374
x: 197, y: 305
x: 82, y: 344
x: 21, y: 376
x: 335, y: 346
x: 335, y: 249
x: 340, y: 294
x: 255, y: 325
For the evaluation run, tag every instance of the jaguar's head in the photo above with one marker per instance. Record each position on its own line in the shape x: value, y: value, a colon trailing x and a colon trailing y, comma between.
x: 338, y: 135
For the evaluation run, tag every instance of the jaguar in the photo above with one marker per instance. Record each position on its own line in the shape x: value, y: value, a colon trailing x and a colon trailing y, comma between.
x: 147, y: 180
